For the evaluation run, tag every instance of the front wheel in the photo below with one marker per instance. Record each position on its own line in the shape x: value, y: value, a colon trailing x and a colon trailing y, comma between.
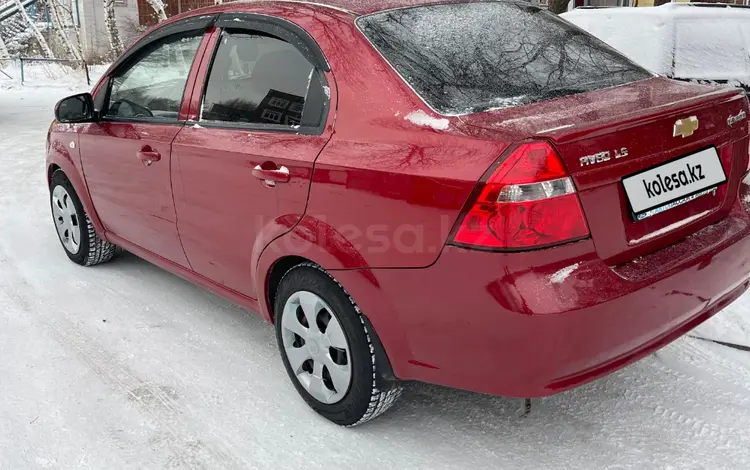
x: 74, y: 228
x: 326, y: 348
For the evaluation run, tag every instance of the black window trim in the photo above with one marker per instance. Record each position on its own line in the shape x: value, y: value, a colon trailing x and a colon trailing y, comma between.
x: 193, y: 26
x: 288, y: 32
x: 280, y: 28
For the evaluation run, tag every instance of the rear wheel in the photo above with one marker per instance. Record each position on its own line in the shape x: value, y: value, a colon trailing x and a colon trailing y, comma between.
x: 327, y: 350
x: 74, y: 228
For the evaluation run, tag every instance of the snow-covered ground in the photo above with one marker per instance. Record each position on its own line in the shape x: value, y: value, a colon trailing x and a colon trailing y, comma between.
x: 47, y: 75
x: 127, y: 366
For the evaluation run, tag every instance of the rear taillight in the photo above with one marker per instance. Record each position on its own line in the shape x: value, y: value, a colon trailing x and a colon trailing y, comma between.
x: 528, y: 202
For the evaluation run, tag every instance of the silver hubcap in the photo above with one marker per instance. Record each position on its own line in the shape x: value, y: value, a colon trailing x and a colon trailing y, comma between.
x: 316, y: 347
x: 66, y: 219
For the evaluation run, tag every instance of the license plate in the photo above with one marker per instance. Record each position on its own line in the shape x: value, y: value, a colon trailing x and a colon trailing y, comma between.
x: 673, y: 182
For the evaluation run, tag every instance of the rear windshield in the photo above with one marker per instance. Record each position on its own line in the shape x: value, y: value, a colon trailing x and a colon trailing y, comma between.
x: 472, y: 57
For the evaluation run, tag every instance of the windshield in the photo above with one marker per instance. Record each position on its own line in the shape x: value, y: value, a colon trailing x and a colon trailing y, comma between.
x: 471, y: 57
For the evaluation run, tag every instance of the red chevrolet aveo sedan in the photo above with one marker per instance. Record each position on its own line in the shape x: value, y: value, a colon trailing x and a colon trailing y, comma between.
x: 472, y: 194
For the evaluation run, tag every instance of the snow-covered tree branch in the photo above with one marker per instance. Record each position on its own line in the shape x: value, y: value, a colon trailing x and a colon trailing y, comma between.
x: 68, y: 12
x: 60, y: 21
x: 4, y: 54
x: 158, y: 7
x: 34, y: 30
x: 110, y: 23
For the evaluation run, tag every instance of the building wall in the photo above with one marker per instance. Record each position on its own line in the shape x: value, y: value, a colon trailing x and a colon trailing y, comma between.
x: 573, y: 4
x: 173, y: 7
x: 93, y: 31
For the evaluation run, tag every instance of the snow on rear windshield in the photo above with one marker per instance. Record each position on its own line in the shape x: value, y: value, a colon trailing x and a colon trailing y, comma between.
x: 471, y: 57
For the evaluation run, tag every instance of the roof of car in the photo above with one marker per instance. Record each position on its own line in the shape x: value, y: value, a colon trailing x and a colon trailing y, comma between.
x: 359, y: 7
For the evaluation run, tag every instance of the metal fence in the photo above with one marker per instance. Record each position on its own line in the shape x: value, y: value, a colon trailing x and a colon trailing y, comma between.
x: 27, y: 60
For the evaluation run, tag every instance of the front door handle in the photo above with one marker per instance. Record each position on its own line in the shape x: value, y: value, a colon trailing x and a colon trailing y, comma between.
x: 148, y: 156
x: 271, y: 177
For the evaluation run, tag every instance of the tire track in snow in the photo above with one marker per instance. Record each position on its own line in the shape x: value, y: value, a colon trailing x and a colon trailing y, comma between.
x: 693, y: 358
x: 686, y: 407
x: 186, y: 451
x: 651, y: 409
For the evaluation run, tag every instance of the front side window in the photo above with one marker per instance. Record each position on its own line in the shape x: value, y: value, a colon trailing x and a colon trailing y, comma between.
x: 471, y: 57
x: 153, y: 86
x: 260, y: 79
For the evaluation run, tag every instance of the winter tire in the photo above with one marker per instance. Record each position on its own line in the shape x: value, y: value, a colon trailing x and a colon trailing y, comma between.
x: 327, y: 349
x: 74, y: 228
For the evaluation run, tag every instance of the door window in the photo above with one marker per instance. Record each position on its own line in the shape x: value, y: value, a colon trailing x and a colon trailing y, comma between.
x: 262, y: 80
x: 153, y: 86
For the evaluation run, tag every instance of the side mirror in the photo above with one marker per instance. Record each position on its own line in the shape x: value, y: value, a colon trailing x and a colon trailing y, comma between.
x: 76, y: 108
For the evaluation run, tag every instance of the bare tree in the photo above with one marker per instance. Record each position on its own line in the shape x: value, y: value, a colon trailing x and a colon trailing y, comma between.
x: 34, y: 30
x: 68, y: 11
x: 61, y: 23
x: 110, y: 23
x: 558, y: 6
x: 158, y: 7
x: 4, y: 54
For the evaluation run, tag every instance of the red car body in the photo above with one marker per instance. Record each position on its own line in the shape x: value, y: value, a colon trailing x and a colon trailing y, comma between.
x: 375, y: 200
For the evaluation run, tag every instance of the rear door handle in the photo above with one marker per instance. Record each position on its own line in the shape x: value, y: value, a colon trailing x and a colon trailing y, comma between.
x: 148, y: 156
x: 271, y: 177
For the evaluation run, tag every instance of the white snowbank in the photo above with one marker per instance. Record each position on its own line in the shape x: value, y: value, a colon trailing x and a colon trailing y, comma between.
x: 49, y: 75
x: 421, y: 118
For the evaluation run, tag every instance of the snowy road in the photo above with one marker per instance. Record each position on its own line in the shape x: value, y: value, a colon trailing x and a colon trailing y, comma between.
x: 127, y: 366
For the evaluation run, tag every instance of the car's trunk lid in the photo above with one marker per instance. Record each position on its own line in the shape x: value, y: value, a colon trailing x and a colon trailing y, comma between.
x: 612, y: 134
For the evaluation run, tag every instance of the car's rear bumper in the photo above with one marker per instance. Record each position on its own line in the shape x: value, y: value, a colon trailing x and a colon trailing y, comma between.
x: 539, y: 323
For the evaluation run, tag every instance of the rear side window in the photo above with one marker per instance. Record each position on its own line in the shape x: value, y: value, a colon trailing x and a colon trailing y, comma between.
x: 472, y: 57
x: 152, y: 87
x: 260, y: 79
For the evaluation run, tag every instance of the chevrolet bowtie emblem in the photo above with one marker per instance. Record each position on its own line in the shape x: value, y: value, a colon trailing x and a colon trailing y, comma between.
x: 686, y: 127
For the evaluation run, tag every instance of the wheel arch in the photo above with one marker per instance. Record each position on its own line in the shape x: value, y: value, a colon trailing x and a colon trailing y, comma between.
x: 297, y: 247
x: 52, y: 168
x: 273, y: 279
x: 81, y: 190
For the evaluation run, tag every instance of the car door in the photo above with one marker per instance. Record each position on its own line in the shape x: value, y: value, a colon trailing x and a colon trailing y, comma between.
x: 243, y: 169
x: 126, y: 154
